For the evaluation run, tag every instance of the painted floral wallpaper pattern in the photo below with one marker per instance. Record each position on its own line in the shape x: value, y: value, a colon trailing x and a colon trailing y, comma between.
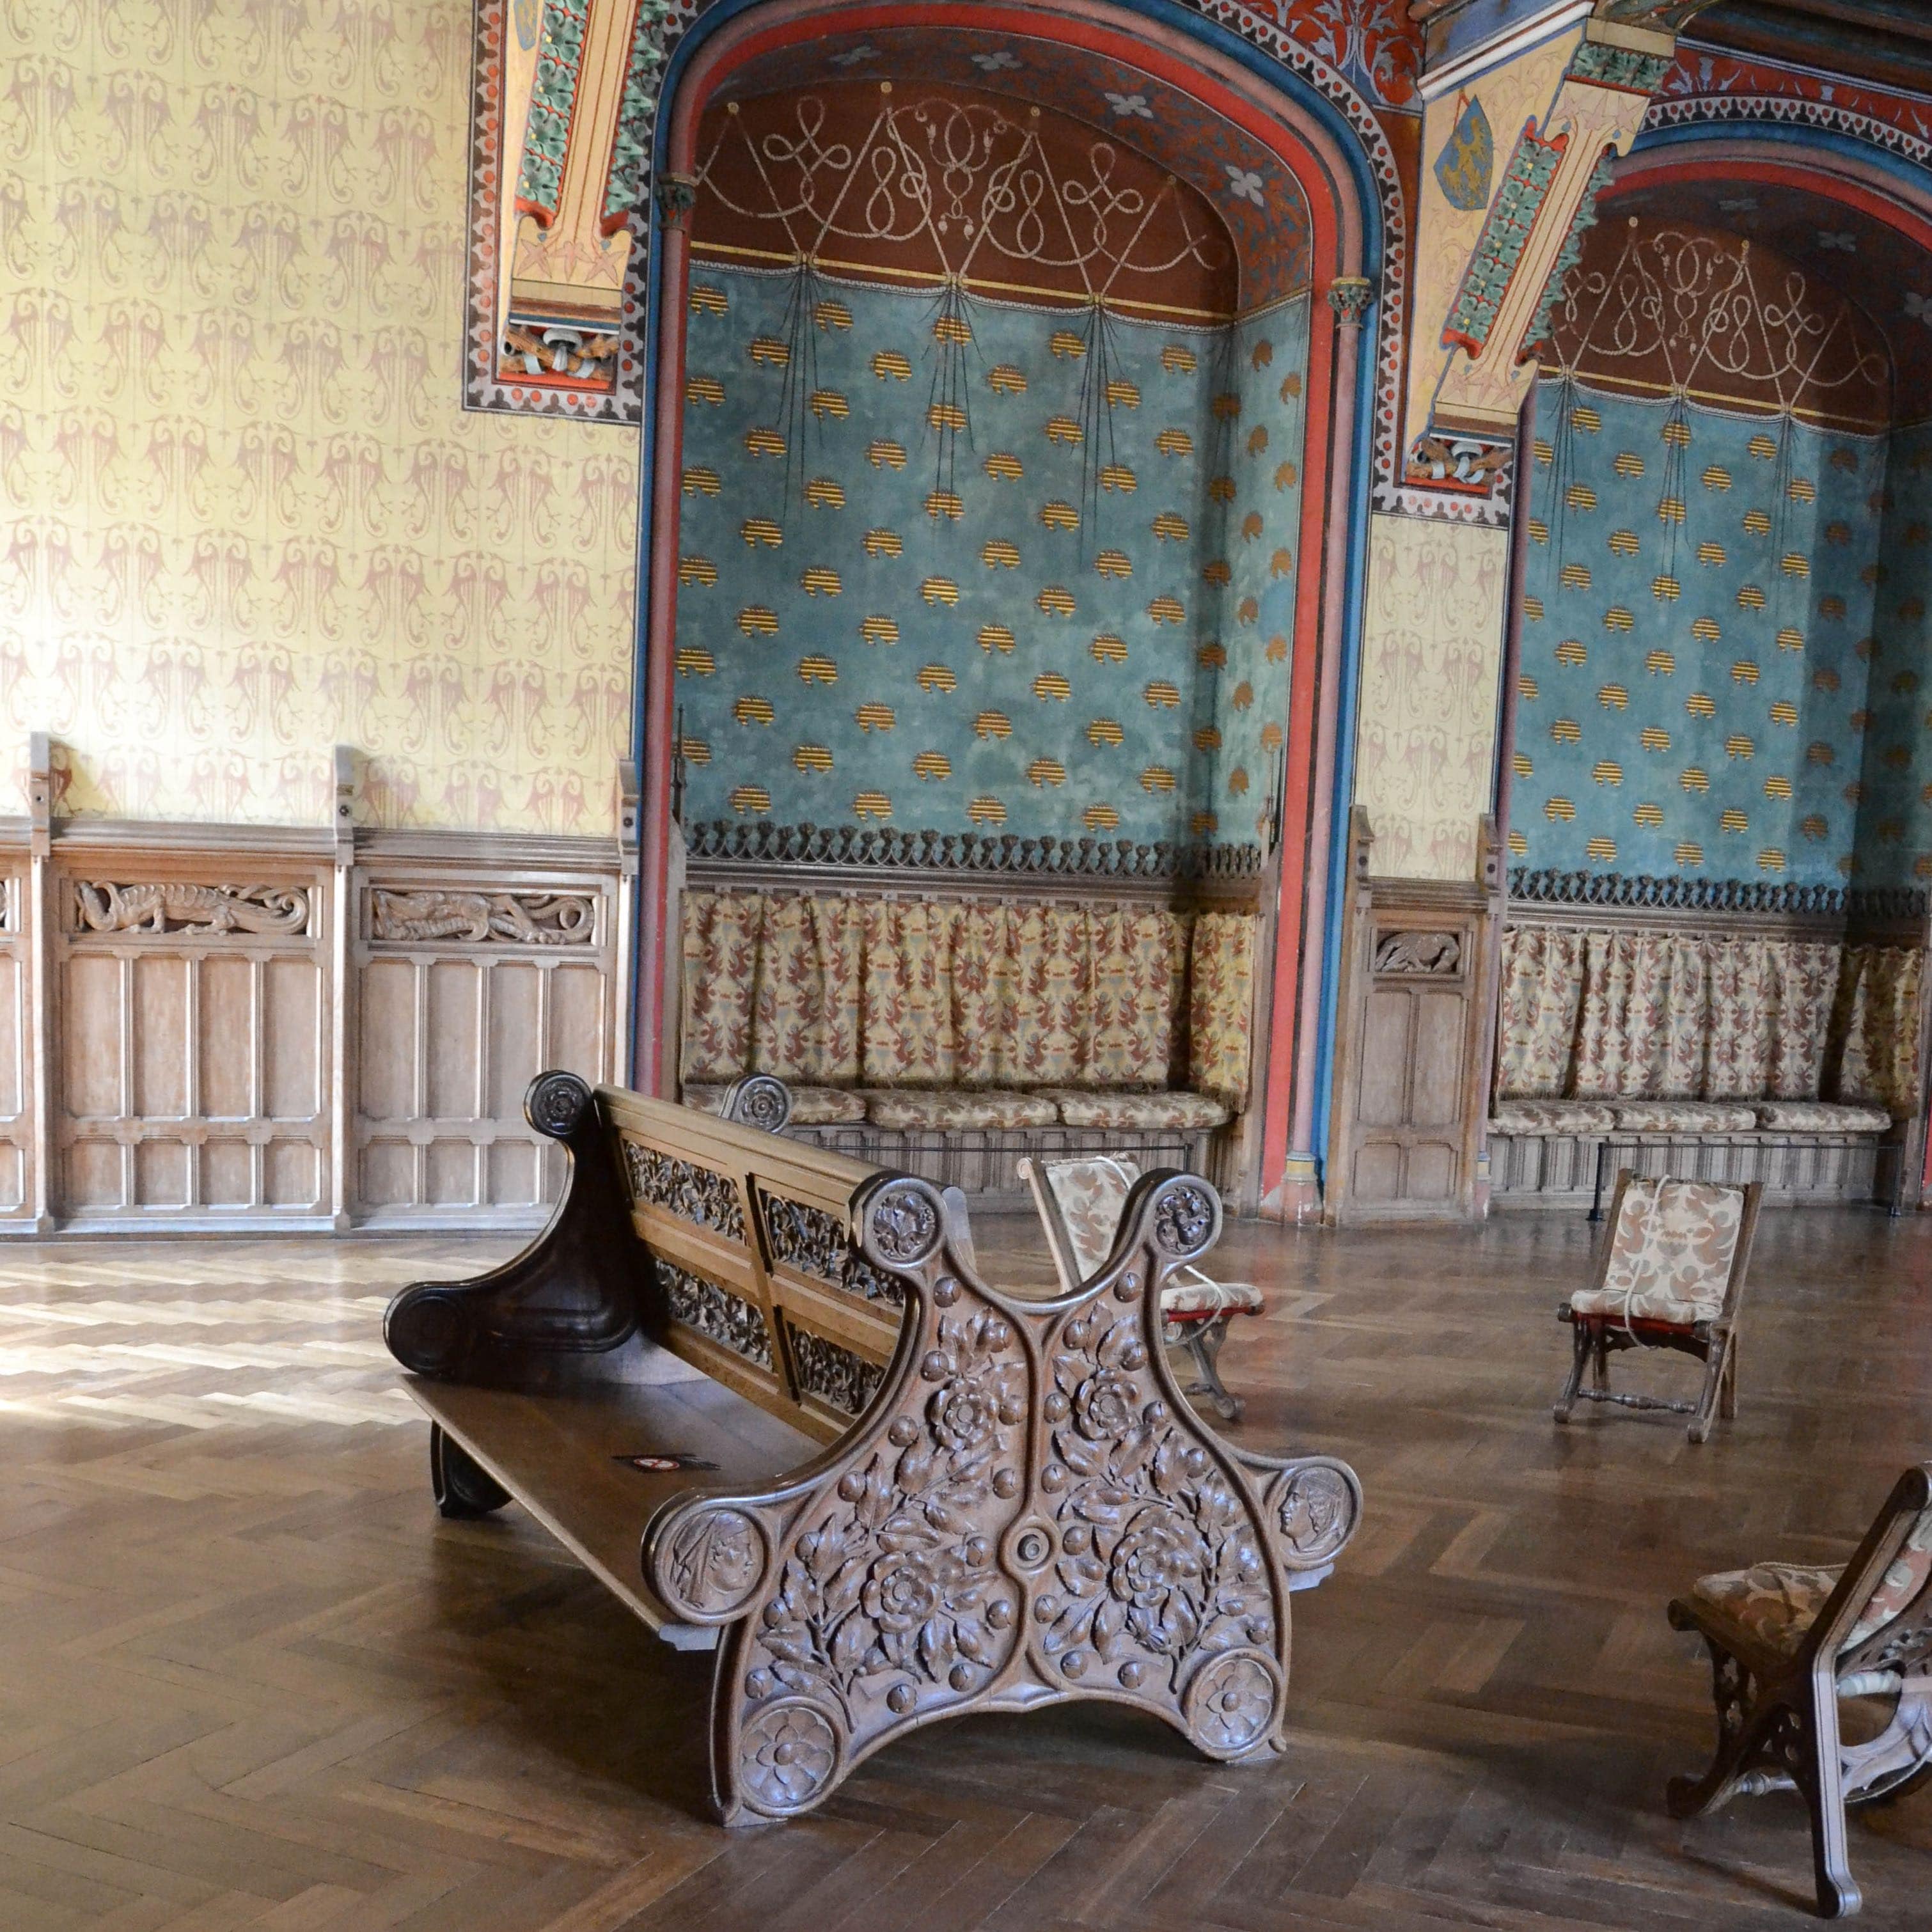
x: 246, y: 518
x: 1015, y: 623
x: 1697, y: 647
x: 1432, y: 654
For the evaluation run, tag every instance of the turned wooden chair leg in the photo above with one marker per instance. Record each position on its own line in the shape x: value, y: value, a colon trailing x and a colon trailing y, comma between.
x: 1600, y: 1376
x: 1727, y: 1408
x: 1202, y: 1341
x: 1579, y: 1352
x: 1823, y: 1784
x: 1716, y: 1367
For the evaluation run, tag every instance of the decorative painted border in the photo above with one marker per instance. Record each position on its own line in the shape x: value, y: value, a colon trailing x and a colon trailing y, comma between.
x: 1678, y: 893
x: 552, y: 103
x: 759, y: 841
x: 1507, y: 229
x: 1787, y: 110
x: 1392, y: 270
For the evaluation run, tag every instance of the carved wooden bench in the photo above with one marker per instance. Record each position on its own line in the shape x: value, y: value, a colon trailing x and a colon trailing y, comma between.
x: 990, y: 1502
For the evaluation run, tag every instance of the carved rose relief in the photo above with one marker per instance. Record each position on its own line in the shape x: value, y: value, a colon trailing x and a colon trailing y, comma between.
x: 895, y: 1591
x: 1159, y: 1560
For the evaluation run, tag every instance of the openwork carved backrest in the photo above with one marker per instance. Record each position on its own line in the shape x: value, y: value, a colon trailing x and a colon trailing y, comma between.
x: 1080, y: 1202
x: 1887, y: 1588
x: 754, y: 1277
x: 1675, y: 1249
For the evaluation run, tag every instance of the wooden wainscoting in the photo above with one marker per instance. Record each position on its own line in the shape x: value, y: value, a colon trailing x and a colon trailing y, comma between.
x: 192, y: 1032
x: 209, y: 1026
x: 464, y: 989
x: 1410, y: 1077
x: 17, y: 1202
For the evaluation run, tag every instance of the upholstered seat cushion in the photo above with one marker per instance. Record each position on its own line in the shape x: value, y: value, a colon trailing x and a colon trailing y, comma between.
x: 1683, y: 1117
x: 954, y: 1109
x: 811, y: 1106
x: 1141, y: 1111
x: 1670, y: 1252
x: 1774, y: 1603
x: 1552, y: 1116
x: 1819, y: 1116
x: 1191, y: 1296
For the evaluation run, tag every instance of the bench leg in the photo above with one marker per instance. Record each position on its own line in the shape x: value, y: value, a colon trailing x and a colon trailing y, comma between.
x: 462, y: 1487
x: 1820, y: 1770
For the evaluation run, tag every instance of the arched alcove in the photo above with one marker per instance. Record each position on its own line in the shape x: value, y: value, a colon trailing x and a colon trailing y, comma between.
x: 1219, y: 656
x: 992, y: 450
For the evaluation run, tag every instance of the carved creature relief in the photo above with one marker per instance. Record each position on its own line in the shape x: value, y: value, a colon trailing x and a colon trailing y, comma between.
x: 519, y: 919
x: 694, y: 1194
x: 833, y: 1374
x: 1437, y: 954
x: 717, y: 1312
x: 816, y: 1243
x: 173, y: 906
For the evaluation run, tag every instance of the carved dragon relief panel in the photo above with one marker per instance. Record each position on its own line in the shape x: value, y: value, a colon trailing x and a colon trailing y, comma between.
x: 515, y: 919
x: 698, y: 1195
x: 1029, y: 1509
x: 177, y: 906
x: 834, y: 1374
x: 808, y: 1238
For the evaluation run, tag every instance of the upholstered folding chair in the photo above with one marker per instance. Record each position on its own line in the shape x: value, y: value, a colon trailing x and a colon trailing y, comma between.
x: 1670, y: 1276
x: 1080, y: 1199
x: 1789, y: 1643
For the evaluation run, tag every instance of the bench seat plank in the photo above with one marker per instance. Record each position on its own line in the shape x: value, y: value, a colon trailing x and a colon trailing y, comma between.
x: 557, y: 1454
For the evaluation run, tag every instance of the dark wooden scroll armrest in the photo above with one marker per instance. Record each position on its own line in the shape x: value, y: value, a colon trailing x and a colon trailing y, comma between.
x: 567, y: 1299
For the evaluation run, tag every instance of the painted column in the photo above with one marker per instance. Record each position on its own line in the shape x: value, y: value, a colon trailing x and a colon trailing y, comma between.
x: 1296, y: 1197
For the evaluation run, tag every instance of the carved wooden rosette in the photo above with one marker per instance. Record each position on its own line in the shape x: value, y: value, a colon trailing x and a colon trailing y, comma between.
x: 1029, y: 1511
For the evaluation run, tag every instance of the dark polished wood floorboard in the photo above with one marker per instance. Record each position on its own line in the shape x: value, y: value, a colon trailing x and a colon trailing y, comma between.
x: 248, y: 1678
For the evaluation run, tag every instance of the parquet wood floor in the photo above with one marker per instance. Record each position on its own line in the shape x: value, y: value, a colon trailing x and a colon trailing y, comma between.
x: 248, y: 1678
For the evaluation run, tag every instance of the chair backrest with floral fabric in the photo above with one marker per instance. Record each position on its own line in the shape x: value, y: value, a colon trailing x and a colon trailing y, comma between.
x: 1080, y: 1201
x: 1904, y: 1590
x: 1673, y: 1249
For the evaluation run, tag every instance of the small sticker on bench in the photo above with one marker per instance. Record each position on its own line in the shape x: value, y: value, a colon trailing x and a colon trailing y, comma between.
x: 659, y: 1461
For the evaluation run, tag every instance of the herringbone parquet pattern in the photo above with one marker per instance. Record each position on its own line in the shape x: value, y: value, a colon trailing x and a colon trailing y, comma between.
x: 248, y: 1678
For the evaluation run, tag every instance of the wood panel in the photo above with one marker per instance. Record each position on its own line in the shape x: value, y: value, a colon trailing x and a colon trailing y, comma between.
x: 17, y: 1117
x: 1411, y: 1074
x: 192, y: 1013
x: 467, y: 984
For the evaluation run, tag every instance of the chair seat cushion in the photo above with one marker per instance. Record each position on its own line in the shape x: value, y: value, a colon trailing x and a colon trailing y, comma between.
x: 1683, y: 1117
x: 1552, y: 1116
x: 1133, y: 1111
x: 1819, y: 1116
x: 811, y: 1106
x: 1195, y: 1298
x: 1774, y: 1602
x: 1670, y: 1254
x: 912, y: 1108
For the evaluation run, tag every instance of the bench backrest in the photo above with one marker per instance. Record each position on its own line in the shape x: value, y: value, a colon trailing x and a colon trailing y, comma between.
x: 754, y: 1277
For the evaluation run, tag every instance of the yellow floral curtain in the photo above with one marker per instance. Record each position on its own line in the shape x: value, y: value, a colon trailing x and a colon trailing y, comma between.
x: 831, y: 989
x: 1592, y: 1013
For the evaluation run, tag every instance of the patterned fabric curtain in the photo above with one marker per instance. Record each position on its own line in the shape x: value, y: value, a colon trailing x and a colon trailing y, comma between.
x: 1875, y: 1027
x: 1628, y: 1015
x: 826, y: 988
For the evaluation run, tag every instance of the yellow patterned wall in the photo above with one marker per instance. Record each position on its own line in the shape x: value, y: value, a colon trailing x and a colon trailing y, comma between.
x: 248, y: 519
x: 1431, y: 651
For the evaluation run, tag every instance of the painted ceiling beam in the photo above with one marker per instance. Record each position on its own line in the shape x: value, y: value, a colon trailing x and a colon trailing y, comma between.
x: 1525, y: 102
